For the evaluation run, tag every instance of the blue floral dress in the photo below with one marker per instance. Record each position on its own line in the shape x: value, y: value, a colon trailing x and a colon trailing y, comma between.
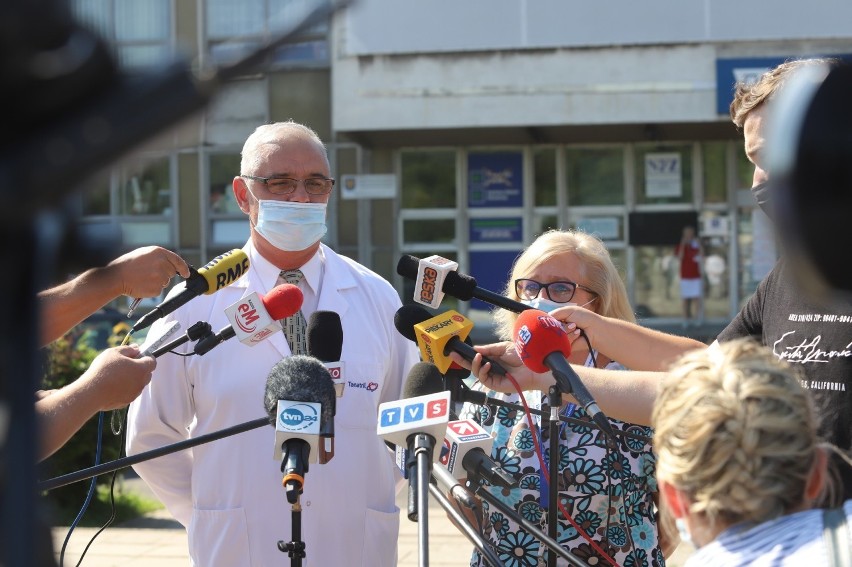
x: 608, y: 493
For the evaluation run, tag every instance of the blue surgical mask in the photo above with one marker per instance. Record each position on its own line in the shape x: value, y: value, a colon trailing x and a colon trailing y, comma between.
x: 547, y: 305
x: 291, y: 226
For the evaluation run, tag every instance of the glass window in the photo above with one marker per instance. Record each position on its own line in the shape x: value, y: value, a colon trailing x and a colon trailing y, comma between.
x: 543, y: 223
x: 544, y: 171
x: 429, y: 179
x: 145, y: 189
x: 255, y: 22
x: 438, y: 230
x: 606, y: 227
x: 715, y: 237
x: 139, y: 31
x: 223, y: 169
x: 595, y: 176
x: 663, y: 174
x: 715, y: 173
x: 656, y: 292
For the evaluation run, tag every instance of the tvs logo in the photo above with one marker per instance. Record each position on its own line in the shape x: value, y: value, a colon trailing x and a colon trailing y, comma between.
x: 458, y: 318
x: 297, y: 417
x: 425, y: 338
x: 369, y: 386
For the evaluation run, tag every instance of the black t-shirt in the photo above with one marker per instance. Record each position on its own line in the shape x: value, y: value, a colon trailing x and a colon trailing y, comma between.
x: 816, y: 336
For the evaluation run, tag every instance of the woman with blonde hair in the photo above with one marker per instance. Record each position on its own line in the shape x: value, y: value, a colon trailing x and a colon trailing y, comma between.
x: 609, y: 494
x: 739, y: 462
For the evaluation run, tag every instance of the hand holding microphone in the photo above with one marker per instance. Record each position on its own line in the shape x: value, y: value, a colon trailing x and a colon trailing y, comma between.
x: 542, y: 344
x: 221, y: 271
x: 438, y: 336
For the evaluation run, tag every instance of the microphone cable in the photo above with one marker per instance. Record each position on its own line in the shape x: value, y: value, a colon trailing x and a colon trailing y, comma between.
x: 546, y: 476
x: 89, y: 495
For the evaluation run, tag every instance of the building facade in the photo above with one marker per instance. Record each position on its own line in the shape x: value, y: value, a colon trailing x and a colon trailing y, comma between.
x: 465, y: 130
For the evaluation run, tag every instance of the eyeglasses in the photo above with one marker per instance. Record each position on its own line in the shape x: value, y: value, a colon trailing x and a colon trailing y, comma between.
x: 560, y: 292
x: 286, y: 185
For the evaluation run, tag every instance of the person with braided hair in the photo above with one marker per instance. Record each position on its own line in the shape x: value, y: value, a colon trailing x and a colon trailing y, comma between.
x: 739, y: 462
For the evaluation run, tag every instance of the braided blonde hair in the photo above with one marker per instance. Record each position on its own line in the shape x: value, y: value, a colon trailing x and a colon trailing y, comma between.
x: 600, y: 274
x: 736, y: 431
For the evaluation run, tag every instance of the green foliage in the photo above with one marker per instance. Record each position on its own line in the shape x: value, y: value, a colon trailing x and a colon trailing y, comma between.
x: 64, y: 363
x: 128, y: 505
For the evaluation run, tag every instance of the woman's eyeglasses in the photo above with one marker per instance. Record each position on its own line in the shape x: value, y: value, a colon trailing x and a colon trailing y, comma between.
x: 560, y: 292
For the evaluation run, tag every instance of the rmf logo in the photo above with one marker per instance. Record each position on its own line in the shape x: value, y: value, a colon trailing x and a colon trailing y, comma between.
x: 232, y: 275
x: 297, y: 417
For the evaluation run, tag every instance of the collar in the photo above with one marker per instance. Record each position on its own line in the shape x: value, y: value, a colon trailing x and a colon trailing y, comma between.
x: 268, y: 272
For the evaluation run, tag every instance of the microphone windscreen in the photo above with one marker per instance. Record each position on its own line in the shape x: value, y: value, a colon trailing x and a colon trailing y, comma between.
x: 406, y: 317
x: 461, y: 286
x: 424, y: 378
x: 299, y: 378
x: 282, y: 301
x: 325, y: 336
x: 537, y: 335
x: 223, y: 270
x: 407, y: 266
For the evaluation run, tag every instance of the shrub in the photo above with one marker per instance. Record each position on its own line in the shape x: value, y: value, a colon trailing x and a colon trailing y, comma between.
x: 65, y: 362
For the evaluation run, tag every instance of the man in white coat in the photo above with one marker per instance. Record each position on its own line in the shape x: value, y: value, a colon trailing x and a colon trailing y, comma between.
x: 228, y: 493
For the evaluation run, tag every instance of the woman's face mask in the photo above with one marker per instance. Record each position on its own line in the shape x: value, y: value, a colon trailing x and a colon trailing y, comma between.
x: 289, y: 225
x: 547, y: 305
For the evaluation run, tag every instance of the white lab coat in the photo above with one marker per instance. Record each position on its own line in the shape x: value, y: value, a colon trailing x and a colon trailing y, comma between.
x: 228, y: 493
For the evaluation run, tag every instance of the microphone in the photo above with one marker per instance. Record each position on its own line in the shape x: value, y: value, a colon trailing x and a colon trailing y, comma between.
x: 435, y: 339
x: 300, y: 402
x: 324, y: 340
x: 543, y: 344
x: 431, y: 274
x: 221, y: 271
x: 466, y: 451
x: 454, y: 487
x: 461, y: 286
x: 253, y: 318
x: 416, y: 421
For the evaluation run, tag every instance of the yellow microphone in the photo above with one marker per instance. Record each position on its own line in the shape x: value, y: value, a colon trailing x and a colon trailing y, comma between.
x: 435, y: 334
x: 220, y: 272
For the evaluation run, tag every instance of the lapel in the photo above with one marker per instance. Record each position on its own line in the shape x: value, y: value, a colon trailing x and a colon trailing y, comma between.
x: 336, y: 280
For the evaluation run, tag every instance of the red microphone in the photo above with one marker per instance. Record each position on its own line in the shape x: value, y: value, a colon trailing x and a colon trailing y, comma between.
x: 542, y: 344
x: 255, y: 317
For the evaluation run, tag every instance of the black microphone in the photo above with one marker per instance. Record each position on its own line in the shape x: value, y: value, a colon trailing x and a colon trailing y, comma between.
x: 220, y: 272
x: 460, y: 286
x: 411, y: 314
x: 423, y: 379
x: 324, y: 340
x: 299, y: 401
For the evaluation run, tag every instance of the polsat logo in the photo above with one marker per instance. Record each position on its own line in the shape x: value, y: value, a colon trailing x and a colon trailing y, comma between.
x: 297, y: 417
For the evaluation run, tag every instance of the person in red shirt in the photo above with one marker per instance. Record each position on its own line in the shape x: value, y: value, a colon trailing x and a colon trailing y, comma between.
x: 689, y: 253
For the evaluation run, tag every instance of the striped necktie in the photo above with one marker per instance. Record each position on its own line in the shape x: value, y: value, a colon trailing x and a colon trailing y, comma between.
x: 295, y: 327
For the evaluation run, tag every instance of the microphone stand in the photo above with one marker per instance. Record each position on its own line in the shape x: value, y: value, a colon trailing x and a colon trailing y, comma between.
x: 111, y: 466
x: 423, y: 445
x: 465, y: 394
x: 481, y: 491
x: 295, y: 548
x: 465, y: 527
x: 554, y: 395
